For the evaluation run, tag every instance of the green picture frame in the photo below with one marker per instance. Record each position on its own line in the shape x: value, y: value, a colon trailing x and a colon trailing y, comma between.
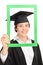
x: 35, y: 24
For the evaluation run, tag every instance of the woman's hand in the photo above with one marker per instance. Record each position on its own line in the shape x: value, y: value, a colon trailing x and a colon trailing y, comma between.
x: 5, y: 41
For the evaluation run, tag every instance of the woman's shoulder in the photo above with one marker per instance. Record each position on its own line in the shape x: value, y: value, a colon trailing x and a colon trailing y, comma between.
x: 13, y: 41
x: 32, y: 41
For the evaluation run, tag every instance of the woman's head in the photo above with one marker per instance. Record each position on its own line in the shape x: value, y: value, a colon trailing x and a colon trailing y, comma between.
x: 22, y: 28
x: 21, y: 22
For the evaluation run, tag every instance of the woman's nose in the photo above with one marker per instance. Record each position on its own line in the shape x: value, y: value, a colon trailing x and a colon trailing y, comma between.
x: 24, y: 27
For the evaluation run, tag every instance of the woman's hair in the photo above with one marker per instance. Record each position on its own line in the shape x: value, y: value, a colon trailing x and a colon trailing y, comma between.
x: 16, y: 26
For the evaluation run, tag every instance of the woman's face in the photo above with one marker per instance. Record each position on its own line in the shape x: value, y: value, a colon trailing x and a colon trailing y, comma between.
x: 22, y: 28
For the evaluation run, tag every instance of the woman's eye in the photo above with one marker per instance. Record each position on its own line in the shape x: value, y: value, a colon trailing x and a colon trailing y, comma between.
x: 20, y: 26
x: 26, y: 25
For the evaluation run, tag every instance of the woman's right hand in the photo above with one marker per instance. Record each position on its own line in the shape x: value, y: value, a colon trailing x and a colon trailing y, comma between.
x: 5, y: 41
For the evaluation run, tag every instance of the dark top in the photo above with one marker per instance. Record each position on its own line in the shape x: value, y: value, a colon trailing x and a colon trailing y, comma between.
x: 16, y: 56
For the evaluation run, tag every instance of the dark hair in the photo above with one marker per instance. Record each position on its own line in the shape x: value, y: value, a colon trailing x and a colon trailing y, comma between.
x: 16, y: 26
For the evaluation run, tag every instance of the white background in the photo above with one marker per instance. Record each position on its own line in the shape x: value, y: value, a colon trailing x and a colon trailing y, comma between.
x: 3, y: 16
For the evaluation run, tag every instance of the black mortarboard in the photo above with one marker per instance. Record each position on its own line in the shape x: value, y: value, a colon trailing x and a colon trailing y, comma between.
x: 20, y: 17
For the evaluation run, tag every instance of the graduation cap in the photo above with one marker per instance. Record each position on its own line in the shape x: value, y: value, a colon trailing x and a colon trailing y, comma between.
x: 20, y: 17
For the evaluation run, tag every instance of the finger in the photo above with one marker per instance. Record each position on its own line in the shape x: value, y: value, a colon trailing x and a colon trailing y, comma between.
x: 6, y: 41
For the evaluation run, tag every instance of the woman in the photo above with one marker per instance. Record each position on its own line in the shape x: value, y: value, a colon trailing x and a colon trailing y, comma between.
x: 20, y: 55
